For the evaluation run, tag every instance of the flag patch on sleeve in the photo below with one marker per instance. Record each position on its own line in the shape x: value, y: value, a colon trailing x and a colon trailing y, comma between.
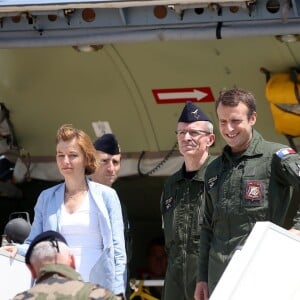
x: 284, y: 152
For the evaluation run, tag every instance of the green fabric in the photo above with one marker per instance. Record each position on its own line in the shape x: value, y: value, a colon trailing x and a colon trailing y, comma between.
x: 256, y: 186
x: 61, y: 269
x: 182, y: 210
x: 56, y: 281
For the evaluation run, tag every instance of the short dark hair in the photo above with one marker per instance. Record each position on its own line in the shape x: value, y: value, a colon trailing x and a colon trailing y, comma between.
x: 234, y: 96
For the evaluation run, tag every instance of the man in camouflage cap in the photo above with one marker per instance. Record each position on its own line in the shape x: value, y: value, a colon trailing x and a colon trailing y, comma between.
x: 182, y: 203
x: 52, y: 265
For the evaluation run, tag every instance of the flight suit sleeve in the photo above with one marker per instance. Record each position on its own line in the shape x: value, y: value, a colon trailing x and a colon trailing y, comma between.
x: 287, y: 165
x: 166, y: 229
x: 205, y: 239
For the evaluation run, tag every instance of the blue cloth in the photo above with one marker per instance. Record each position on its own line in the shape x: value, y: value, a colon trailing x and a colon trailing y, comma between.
x: 110, y: 270
x: 192, y: 113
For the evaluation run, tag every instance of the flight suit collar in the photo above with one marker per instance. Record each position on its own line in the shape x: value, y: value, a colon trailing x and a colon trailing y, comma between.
x: 59, y: 269
x: 253, y: 149
x: 199, y: 175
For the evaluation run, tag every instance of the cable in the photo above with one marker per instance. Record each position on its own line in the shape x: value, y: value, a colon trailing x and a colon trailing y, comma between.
x: 159, y: 165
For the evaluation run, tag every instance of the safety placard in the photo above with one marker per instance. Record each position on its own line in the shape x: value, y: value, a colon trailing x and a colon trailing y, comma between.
x: 181, y: 95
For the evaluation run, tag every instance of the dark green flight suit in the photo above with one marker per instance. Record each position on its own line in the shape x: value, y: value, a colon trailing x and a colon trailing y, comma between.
x: 241, y: 190
x: 182, y: 210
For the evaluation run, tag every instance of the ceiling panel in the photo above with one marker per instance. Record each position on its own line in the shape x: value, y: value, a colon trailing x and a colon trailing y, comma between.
x: 46, y: 87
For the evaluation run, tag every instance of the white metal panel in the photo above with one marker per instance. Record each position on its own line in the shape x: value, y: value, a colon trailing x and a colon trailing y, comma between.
x: 267, y: 267
x: 14, y: 276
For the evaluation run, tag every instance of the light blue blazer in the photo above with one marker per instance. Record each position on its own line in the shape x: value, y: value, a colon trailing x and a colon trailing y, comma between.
x: 110, y: 269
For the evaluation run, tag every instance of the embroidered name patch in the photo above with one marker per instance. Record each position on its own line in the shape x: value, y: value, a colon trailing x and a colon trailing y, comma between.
x: 254, y: 191
x: 211, y: 182
x: 284, y: 152
x: 168, y: 203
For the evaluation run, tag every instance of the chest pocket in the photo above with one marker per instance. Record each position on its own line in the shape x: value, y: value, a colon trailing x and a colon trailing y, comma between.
x: 168, y: 205
x: 254, y: 185
x: 183, y: 212
x: 197, y: 204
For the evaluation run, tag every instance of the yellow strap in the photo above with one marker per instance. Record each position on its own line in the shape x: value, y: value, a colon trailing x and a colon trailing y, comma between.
x: 142, y: 292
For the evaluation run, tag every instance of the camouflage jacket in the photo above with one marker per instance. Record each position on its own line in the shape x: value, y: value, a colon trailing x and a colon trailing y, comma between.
x: 56, y: 281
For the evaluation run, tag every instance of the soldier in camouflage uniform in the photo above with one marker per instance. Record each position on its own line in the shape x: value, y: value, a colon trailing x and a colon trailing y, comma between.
x: 251, y: 181
x: 53, y: 267
x: 181, y: 204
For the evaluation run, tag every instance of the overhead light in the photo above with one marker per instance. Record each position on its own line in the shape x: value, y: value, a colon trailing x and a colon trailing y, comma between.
x: 288, y: 38
x: 160, y: 11
x: 88, y: 14
x: 87, y: 48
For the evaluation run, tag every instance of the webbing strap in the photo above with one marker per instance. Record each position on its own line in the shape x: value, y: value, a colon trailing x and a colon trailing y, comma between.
x: 294, y: 77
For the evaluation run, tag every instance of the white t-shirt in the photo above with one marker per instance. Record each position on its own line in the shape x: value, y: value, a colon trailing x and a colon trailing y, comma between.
x: 82, y: 232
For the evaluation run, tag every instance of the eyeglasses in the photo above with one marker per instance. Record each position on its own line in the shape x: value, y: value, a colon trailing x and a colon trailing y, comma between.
x: 193, y: 132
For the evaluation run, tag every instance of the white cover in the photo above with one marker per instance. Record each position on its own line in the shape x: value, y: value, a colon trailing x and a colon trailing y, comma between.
x: 267, y: 267
x: 14, y: 275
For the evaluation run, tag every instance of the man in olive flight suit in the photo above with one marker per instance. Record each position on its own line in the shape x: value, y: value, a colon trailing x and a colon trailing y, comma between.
x: 182, y: 201
x: 250, y: 181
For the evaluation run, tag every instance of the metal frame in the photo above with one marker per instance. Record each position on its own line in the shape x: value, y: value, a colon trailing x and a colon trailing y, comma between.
x: 59, y: 23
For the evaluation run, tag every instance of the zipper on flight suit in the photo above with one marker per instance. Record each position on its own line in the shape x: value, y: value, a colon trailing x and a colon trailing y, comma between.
x: 185, y: 235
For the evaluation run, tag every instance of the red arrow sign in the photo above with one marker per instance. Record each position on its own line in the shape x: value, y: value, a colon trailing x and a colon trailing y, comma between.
x: 182, y: 95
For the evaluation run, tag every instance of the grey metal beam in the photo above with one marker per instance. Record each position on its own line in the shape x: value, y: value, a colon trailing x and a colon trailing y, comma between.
x: 296, y: 7
x: 143, y: 23
x: 34, y: 5
x: 94, y: 36
x: 135, y: 16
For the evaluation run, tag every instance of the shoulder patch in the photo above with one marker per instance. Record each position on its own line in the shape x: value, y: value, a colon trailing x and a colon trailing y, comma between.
x: 285, y: 151
x: 211, y: 182
x: 168, y: 204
